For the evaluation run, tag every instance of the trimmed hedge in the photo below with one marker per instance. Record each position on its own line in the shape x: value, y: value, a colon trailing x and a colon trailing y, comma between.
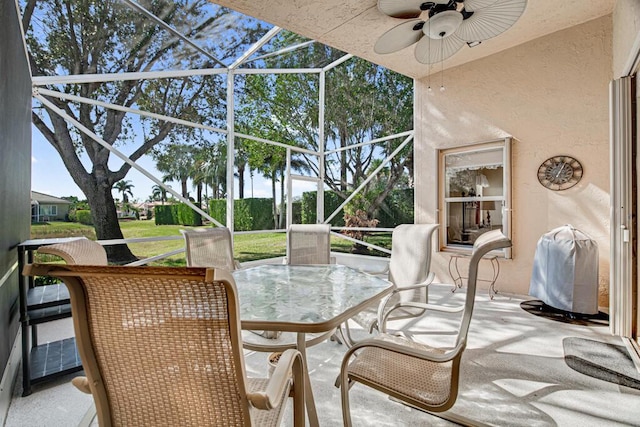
x: 331, y: 202
x: 297, y: 212
x: 260, y: 211
x: 84, y: 217
x: 248, y: 214
x: 164, y: 215
x: 177, y: 214
x: 187, y: 216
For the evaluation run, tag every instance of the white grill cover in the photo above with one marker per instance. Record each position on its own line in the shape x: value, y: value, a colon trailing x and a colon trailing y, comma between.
x: 565, y: 271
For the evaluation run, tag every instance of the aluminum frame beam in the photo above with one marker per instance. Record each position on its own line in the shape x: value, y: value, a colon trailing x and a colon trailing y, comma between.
x: 120, y: 77
x: 122, y: 156
x: 172, y: 30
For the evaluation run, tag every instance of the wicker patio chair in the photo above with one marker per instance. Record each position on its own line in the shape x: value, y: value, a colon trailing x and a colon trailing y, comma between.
x: 416, y: 374
x: 409, y: 269
x: 162, y: 346
x: 308, y: 244
x: 211, y: 247
x: 80, y: 251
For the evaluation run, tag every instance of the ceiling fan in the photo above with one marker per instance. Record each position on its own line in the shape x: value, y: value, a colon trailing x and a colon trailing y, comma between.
x: 446, y: 26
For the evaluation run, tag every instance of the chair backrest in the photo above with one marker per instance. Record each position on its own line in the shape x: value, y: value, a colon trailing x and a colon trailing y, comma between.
x: 309, y: 244
x: 211, y: 247
x: 410, y: 261
x: 485, y: 243
x: 80, y: 251
x: 159, y: 345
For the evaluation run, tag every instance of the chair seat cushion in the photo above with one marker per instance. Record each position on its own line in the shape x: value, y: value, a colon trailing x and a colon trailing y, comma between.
x: 421, y: 380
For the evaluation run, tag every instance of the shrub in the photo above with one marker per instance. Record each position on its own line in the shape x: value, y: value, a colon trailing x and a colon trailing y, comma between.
x: 331, y: 202
x: 248, y: 214
x: 177, y: 214
x: 297, y: 212
x: 359, y: 219
x: 397, y: 209
x: 164, y: 215
x: 186, y: 215
x: 243, y: 221
x: 84, y: 217
x: 45, y: 280
x: 260, y: 212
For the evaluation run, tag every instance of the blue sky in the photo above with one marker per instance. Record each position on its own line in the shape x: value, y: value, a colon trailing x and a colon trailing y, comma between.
x: 50, y: 176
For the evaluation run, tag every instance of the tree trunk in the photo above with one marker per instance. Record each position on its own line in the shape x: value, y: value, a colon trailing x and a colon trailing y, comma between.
x: 241, y: 167
x: 343, y: 161
x: 199, y: 195
x: 282, y: 199
x: 105, y: 222
x: 185, y: 191
x: 273, y: 200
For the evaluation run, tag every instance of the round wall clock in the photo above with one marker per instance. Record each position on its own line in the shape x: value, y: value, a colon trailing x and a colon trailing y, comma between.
x: 559, y: 172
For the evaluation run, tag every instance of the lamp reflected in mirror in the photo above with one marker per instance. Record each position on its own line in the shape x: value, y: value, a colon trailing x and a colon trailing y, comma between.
x: 488, y: 206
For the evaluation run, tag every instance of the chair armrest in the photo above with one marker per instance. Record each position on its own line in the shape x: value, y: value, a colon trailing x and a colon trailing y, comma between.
x: 409, y: 351
x: 237, y: 265
x: 82, y: 384
x: 279, y: 381
x: 428, y: 281
x: 383, y: 311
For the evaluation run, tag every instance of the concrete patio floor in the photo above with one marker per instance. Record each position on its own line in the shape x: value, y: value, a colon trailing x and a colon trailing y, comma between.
x: 513, y: 374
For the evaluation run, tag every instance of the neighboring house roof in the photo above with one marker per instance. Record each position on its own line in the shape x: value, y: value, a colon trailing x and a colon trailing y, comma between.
x: 146, y: 205
x: 41, y: 198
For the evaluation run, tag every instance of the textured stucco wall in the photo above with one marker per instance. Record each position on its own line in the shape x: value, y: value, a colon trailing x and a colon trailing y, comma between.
x: 551, y: 95
x: 626, y: 18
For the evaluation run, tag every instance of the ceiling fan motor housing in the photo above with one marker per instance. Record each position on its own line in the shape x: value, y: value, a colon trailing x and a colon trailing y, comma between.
x: 442, y: 24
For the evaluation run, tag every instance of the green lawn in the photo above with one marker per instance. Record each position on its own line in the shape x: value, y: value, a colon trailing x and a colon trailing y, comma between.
x: 247, y: 247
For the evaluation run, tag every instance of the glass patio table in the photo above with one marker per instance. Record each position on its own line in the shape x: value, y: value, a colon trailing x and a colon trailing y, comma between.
x: 303, y: 299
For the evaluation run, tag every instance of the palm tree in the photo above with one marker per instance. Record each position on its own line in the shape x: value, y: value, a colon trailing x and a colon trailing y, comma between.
x: 158, y: 193
x: 176, y: 163
x: 210, y: 168
x: 124, y: 187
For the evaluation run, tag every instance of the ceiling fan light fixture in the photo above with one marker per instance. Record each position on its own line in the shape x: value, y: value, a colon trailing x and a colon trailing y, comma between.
x: 443, y: 24
x: 449, y: 25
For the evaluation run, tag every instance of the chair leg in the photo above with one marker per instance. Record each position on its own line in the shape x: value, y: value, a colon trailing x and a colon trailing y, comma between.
x: 299, y: 380
x: 89, y: 416
x: 344, y: 392
x: 345, y: 331
x: 337, y: 336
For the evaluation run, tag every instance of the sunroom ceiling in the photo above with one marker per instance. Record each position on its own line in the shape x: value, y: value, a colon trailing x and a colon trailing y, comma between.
x: 354, y: 26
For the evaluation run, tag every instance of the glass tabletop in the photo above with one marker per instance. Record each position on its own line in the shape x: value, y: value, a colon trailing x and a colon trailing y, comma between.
x: 304, y: 298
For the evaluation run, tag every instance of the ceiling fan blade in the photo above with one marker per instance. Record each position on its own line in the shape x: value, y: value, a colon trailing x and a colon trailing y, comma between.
x: 430, y: 51
x: 405, y: 9
x: 490, y: 21
x: 400, y: 8
x: 473, y: 5
x: 399, y: 37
